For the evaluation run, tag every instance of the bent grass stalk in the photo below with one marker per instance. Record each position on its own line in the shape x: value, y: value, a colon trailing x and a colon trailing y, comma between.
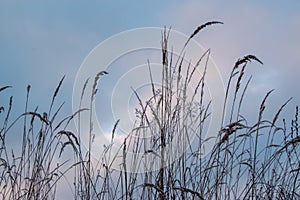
x: 240, y: 165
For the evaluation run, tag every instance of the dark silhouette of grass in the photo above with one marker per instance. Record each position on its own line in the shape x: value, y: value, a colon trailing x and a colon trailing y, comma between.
x: 240, y: 165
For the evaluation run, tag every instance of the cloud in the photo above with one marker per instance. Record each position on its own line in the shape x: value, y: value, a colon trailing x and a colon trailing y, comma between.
x: 41, y: 43
x: 269, y: 31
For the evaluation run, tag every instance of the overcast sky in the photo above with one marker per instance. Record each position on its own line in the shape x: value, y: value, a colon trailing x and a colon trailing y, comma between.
x: 40, y: 41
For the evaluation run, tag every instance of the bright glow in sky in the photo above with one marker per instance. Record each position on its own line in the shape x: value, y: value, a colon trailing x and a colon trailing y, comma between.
x: 42, y: 41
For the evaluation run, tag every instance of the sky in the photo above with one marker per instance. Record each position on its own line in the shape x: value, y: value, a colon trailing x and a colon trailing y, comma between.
x: 41, y: 41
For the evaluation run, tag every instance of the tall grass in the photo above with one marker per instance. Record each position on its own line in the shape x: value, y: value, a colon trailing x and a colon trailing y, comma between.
x: 258, y: 160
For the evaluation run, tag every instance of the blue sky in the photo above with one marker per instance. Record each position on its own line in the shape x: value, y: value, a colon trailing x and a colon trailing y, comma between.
x: 42, y: 41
